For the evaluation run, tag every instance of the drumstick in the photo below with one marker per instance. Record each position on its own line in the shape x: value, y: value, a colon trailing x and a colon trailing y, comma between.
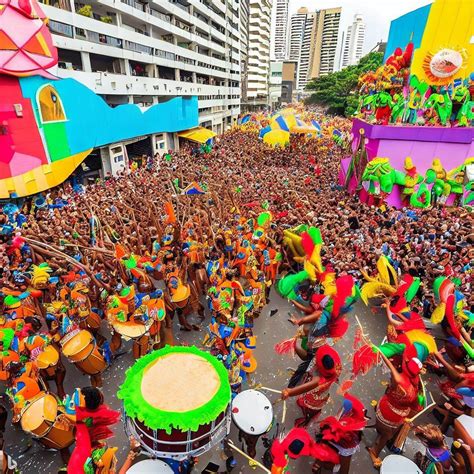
x: 254, y: 462
x: 270, y: 389
x: 410, y: 420
x: 283, y: 416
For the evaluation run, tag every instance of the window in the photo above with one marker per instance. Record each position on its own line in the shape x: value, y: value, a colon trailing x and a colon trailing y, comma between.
x: 50, y: 105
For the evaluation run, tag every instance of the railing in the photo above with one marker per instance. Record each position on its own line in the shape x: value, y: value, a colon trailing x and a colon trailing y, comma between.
x: 138, y: 48
x: 134, y: 4
x: 61, y: 4
x: 60, y: 28
x: 160, y: 15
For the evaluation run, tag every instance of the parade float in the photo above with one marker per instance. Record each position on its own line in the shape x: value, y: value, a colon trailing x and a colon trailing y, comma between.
x: 412, y: 137
x: 48, y: 125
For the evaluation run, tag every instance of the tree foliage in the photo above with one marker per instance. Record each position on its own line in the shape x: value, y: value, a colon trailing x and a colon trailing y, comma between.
x: 338, y: 91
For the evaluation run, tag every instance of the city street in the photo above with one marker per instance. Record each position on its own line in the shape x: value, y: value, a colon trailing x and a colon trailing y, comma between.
x: 273, y: 372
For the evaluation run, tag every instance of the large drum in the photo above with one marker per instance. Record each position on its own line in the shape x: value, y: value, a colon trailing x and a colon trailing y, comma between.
x: 176, y: 402
x: 81, y: 349
x: 47, y: 360
x: 42, y: 419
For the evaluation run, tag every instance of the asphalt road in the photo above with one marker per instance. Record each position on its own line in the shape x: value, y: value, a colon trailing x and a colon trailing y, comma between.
x: 272, y: 371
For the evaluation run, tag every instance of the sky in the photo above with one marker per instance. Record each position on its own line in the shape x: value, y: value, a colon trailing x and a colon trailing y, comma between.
x: 377, y: 15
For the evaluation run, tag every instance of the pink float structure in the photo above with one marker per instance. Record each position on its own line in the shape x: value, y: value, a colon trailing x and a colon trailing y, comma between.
x: 453, y: 146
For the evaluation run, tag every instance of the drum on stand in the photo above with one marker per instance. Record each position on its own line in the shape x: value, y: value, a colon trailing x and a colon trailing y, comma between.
x: 187, y: 412
x: 395, y: 464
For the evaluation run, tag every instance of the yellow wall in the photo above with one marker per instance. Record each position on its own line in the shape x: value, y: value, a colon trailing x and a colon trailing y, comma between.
x: 450, y: 25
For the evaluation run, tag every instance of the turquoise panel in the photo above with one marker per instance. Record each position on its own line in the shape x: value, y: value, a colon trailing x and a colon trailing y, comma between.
x: 409, y: 27
x: 92, y: 123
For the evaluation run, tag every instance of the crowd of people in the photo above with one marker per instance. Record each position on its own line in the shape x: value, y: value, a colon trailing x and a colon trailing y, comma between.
x: 200, y: 237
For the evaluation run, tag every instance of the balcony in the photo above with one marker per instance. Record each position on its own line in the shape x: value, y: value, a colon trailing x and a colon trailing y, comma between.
x: 61, y: 4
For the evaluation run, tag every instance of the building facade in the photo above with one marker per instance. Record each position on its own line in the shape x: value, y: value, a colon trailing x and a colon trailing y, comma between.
x: 324, y: 41
x: 244, y: 15
x: 313, y: 43
x: 149, y: 52
x: 295, y: 36
x: 275, y: 82
x: 279, y: 30
x: 354, y: 42
x: 258, y: 53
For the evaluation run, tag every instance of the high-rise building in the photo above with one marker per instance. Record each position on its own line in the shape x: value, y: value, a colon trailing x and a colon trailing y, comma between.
x: 259, y: 52
x: 148, y: 52
x: 313, y: 43
x: 324, y: 43
x: 306, y: 50
x: 295, y: 37
x: 244, y: 11
x: 354, y: 42
x: 279, y: 30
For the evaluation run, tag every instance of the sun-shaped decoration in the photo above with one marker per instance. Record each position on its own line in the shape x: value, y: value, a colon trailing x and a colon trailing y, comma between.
x: 442, y: 67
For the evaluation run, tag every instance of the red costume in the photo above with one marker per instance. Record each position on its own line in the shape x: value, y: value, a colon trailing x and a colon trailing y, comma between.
x: 297, y: 443
x: 92, y: 426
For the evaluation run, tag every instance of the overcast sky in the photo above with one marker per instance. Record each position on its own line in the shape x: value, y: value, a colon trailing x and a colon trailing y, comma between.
x: 377, y: 14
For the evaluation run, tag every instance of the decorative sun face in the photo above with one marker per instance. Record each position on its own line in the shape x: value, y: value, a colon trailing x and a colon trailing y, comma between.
x: 442, y: 67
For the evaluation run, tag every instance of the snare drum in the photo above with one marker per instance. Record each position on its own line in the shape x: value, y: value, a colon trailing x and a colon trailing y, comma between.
x: 41, y: 418
x: 132, y: 329
x: 81, y: 349
x: 187, y: 412
x: 150, y: 466
x: 252, y: 412
x: 395, y: 464
x: 47, y: 360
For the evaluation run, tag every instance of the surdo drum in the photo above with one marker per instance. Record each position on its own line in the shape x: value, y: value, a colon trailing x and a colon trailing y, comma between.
x: 176, y: 402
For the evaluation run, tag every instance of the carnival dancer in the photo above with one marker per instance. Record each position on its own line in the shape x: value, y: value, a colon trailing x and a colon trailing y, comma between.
x: 296, y: 444
x: 93, y: 419
x: 401, y: 399
x: 344, y: 432
x: 313, y: 393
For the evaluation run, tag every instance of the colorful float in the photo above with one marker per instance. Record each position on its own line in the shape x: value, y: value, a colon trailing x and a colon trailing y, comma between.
x: 413, y: 134
x: 48, y: 125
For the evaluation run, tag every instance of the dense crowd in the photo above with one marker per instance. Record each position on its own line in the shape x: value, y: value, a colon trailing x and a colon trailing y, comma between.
x: 121, y: 234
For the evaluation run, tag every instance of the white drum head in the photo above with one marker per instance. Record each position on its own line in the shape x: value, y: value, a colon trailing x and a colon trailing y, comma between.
x: 150, y: 466
x: 395, y: 464
x: 252, y: 412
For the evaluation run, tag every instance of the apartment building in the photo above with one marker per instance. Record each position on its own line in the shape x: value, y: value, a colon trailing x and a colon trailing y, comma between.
x: 354, y: 42
x: 258, y: 53
x: 147, y: 52
x: 279, y: 30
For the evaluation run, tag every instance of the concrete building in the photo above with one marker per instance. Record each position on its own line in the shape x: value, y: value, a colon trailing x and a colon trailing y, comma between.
x: 295, y: 37
x: 324, y: 41
x: 279, y: 30
x: 354, y: 42
x: 288, y: 81
x: 259, y: 53
x: 274, y: 82
x: 149, y: 52
x: 306, y: 49
x: 244, y: 14
x: 313, y: 43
